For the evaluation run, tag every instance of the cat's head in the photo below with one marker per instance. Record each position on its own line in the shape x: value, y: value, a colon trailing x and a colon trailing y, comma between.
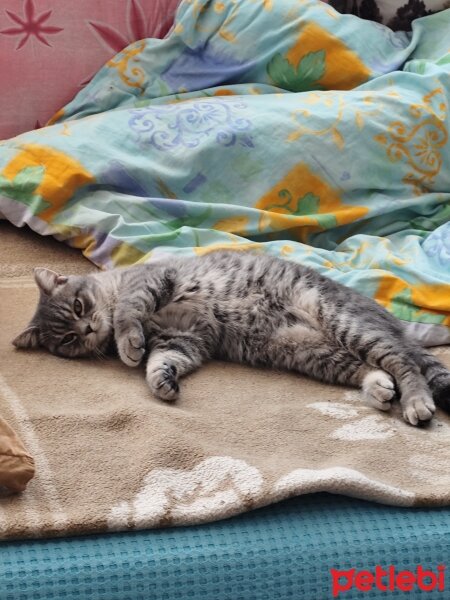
x: 72, y: 319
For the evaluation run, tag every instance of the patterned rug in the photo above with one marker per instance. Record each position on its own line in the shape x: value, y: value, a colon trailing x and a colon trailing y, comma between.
x: 110, y: 457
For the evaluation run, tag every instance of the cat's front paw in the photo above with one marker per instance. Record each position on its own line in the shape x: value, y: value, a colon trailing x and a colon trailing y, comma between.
x: 131, y: 347
x: 163, y: 382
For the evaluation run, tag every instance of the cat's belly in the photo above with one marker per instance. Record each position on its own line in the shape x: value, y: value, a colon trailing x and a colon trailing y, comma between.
x: 241, y: 326
x: 181, y: 317
x: 188, y: 312
x: 231, y: 320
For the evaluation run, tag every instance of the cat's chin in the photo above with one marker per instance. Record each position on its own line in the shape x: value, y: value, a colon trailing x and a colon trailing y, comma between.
x: 105, y: 348
x: 99, y: 342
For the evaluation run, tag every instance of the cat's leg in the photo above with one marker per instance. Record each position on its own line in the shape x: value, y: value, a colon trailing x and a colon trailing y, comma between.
x: 142, y: 294
x: 174, y: 354
x: 130, y: 341
x: 308, y: 351
x: 395, y: 355
x: 437, y: 377
x: 374, y: 336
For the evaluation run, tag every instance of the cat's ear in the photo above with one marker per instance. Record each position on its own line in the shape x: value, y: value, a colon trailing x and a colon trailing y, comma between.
x: 29, y: 338
x: 48, y: 280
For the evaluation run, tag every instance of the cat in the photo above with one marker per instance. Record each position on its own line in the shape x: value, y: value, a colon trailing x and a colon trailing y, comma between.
x: 243, y: 307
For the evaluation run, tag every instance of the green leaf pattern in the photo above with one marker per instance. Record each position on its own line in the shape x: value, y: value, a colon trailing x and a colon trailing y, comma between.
x: 22, y: 188
x: 302, y: 78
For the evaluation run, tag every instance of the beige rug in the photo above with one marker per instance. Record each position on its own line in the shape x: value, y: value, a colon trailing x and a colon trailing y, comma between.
x: 109, y: 456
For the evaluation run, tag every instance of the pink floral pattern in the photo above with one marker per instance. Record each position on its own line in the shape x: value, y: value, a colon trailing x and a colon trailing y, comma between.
x: 30, y: 25
x: 136, y: 27
x: 50, y: 48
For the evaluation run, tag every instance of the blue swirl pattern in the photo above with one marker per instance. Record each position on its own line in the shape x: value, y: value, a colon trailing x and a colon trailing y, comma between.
x: 437, y: 245
x: 188, y: 124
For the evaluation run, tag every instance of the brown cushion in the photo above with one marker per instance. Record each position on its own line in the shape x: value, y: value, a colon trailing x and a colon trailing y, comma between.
x: 16, y: 465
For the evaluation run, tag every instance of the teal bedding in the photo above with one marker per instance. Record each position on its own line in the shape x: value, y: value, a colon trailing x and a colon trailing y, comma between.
x: 276, y: 125
x: 282, y: 552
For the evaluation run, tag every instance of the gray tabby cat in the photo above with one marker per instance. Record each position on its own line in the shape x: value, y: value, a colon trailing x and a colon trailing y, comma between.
x: 242, y: 307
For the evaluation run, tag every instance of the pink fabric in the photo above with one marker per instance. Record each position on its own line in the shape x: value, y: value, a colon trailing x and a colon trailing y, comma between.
x: 49, y: 49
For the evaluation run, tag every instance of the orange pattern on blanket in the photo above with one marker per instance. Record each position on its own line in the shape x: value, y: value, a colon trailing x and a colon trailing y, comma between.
x: 344, y: 70
x: 224, y: 92
x: 56, y: 117
x: 63, y: 175
x: 432, y: 299
x: 302, y: 201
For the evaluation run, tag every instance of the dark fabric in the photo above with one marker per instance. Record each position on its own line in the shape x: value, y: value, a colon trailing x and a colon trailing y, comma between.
x: 372, y: 10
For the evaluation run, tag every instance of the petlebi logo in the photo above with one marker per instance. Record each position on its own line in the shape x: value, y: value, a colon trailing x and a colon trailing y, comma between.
x: 387, y: 580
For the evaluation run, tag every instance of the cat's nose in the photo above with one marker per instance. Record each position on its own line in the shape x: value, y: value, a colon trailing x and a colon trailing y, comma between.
x: 88, y: 329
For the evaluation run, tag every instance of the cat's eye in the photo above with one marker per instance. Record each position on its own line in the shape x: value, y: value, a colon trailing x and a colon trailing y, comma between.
x: 68, y: 339
x: 78, y: 307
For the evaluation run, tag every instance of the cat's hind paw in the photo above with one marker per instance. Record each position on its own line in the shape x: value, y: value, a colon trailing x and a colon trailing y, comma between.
x: 378, y: 389
x: 418, y: 409
x: 163, y: 382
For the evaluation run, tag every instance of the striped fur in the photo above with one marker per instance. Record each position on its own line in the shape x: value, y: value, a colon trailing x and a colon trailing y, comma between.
x: 241, y: 307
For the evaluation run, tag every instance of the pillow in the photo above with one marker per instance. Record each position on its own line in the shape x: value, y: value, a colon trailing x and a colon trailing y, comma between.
x: 50, y: 49
x: 396, y: 14
x: 16, y: 465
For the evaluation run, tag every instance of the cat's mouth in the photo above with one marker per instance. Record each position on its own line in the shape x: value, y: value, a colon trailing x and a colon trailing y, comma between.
x: 98, y: 341
x: 94, y: 341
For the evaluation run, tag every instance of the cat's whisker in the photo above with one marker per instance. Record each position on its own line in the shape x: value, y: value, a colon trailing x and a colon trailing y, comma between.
x: 99, y: 354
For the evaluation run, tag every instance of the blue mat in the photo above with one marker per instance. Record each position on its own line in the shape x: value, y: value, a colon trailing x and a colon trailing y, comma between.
x: 281, y: 552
